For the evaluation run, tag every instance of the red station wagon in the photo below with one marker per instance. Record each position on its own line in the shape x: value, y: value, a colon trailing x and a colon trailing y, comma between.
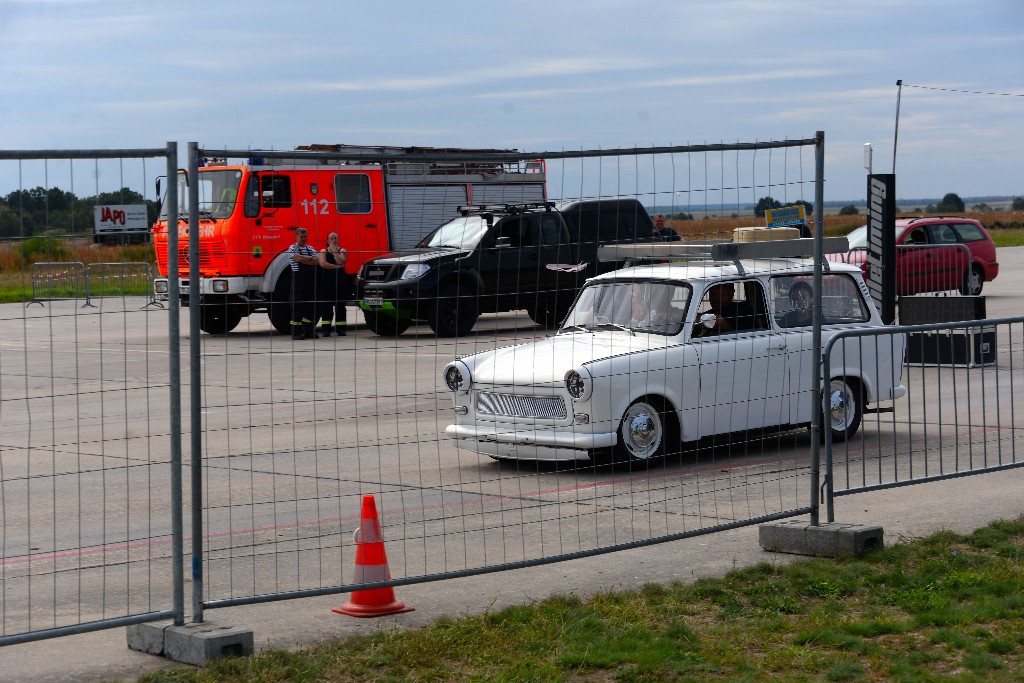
x: 935, y: 254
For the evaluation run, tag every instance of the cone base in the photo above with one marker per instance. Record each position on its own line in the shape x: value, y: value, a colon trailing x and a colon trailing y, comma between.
x: 354, y: 609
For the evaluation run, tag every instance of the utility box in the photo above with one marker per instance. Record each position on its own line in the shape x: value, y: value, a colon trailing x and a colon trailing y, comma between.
x: 971, y: 347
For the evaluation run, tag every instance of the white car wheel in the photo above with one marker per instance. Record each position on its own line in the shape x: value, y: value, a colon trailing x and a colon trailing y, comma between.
x: 844, y: 410
x: 641, y: 432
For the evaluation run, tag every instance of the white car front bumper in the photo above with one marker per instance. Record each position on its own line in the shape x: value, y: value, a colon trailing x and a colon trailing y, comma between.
x: 525, y: 444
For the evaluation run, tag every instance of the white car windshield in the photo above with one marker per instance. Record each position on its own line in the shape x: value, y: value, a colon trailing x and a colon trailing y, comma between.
x: 463, y: 232
x: 657, y: 307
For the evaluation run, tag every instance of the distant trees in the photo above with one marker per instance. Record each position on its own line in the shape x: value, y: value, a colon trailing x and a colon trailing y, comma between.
x: 951, y: 203
x: 766, y: 203
x: 849, y: 210
x: 24, y: 213
x: 1018, y: 204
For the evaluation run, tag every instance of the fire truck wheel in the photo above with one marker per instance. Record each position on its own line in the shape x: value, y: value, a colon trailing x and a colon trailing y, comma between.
x: 455, y: 312
x: 385, y: 325
x: 219, y: 318
x: 280, y: 309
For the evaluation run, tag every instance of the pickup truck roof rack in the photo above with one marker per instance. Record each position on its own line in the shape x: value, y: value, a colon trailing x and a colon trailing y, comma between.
x: 511, y: 209
x: 734, y: 252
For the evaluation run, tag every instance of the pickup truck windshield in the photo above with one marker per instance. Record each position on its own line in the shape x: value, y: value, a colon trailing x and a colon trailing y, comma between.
x: 218, y: 192
x: 464, y: 232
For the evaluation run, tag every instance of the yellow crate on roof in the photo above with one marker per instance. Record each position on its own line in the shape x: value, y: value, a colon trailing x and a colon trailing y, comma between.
x: 757, y: 234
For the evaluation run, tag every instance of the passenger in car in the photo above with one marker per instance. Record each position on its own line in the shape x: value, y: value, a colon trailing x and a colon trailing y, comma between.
x: 730, y: 315
x: 652, y: 309
x: 801, y: 298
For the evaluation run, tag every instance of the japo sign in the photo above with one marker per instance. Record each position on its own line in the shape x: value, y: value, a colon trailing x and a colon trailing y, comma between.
x: 787, y: 215
x: 120, y: 217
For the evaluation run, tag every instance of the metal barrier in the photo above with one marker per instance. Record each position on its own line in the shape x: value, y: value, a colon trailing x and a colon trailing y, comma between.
x: 90, y: 438
x: 958, y: 418
x: 121, y: 279
x: 58, y: 281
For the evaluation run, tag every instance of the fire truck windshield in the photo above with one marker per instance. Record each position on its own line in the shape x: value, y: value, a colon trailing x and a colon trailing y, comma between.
x: 218, y: 193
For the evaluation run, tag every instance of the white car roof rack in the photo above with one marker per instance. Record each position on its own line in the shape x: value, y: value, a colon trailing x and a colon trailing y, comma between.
x: 720, y: 251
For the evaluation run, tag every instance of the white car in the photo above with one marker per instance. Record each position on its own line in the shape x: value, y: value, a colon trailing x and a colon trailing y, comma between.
x: 625, y: 383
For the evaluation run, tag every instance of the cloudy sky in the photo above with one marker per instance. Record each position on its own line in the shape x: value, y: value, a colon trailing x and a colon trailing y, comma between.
x: 532, y: 75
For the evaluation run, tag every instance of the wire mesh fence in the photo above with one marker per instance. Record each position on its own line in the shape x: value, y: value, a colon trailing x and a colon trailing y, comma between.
x: 285, y: 436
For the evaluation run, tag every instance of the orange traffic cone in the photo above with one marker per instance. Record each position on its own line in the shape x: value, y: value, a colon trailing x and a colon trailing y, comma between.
x: 371, y: 565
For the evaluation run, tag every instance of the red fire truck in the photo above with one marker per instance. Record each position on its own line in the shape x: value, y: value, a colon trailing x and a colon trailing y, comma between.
x: 248, y: 215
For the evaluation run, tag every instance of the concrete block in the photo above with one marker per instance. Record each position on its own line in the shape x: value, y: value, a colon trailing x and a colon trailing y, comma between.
x: 191, y: 643
x: 148, y: 638
x: 200, y: 643
x: 825, y: 540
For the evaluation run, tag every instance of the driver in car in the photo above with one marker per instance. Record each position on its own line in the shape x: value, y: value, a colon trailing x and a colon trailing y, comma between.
x: 730, y: 315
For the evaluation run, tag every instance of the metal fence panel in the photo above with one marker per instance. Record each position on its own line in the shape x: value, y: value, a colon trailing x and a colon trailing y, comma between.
x: 959, y: 416
x: 86, y: 523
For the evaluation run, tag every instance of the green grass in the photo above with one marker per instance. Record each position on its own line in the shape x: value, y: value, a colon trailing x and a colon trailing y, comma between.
x: 944, y: 608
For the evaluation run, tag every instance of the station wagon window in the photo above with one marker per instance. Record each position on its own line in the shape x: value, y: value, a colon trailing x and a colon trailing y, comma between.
x: 741, y: 304
x: 941, y: 234
x: 352, y: 193
x: 841, y: 300
x: 969, y: 232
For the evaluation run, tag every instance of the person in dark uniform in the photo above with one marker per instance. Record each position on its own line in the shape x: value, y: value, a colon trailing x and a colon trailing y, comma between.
x: 304, y: 264
x: 335, y: 286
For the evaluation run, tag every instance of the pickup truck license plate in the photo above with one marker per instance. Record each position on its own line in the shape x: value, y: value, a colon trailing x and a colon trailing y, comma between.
x: 373, y: 300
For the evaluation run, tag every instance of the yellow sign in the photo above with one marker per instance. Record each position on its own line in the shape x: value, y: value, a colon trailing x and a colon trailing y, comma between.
x: 257, y: 251
x: 787, y: 215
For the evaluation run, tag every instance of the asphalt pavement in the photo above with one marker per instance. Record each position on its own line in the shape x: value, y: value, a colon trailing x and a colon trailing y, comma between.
x: 960, y: 505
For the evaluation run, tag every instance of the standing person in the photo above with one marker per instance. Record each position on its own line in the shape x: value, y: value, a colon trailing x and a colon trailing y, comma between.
x: 304, y: 263
x: 336, y: 286
x: 663, y: 231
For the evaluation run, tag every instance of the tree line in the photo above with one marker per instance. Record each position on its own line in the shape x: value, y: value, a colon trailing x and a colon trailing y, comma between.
x: 52, y: 211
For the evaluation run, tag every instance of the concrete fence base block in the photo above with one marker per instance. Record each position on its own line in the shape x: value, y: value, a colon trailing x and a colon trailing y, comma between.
x: 191, y: 643
x: 825, y: 540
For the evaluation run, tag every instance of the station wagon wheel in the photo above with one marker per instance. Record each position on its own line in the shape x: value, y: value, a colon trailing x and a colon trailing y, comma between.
x: 641, y: 434
x: 973, y: 281
x: 845, y: 408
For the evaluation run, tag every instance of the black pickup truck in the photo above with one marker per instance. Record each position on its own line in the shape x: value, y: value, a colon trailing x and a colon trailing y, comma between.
x: 496, y: 258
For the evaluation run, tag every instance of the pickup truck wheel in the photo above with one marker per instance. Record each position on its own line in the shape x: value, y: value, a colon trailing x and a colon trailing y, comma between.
x: 455, y: 312
x: 547, y: 313
x: 280, y: 309
x: 973, y: 281
x: 845, y: 407
x: 219, y: 318
x: 384, y: 324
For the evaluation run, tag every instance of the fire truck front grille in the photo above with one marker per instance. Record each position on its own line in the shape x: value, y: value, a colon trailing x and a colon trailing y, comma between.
x: 510, y: 405
x: 211, y: 256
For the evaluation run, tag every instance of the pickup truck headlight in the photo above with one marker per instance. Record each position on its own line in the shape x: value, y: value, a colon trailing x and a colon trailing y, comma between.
x: 457, y: 377
x: 415, y: 270
x: 579, y: 384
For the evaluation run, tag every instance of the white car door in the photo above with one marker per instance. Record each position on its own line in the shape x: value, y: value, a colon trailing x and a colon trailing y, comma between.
x: 742, y: 373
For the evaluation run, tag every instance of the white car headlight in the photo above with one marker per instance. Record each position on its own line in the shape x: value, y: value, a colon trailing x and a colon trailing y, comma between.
x: 415, y: 270
x: 579, y: 384
x: 457, y: 377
